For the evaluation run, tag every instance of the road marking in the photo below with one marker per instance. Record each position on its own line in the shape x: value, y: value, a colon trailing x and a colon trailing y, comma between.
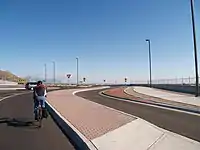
x: 13, y: 95
x: 152, y: 105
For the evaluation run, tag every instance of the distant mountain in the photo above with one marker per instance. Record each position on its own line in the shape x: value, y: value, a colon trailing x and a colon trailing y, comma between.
x: 34, y: 78
x: 7, y: 75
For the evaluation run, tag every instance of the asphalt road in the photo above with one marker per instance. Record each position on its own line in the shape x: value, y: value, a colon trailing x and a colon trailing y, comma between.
x: 5, y: 93
x: 18, y: 130
x: 181, y: 123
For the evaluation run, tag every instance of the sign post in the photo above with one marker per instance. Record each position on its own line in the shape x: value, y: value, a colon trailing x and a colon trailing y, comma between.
x: 125, y: 79
x: 68, y: 76
x: 84, y: 79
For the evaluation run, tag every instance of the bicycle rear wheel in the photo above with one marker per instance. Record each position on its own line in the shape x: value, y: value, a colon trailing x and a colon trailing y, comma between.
x: 40, y: 117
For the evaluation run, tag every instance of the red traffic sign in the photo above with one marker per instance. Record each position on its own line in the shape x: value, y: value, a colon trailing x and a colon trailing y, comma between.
x: 68, y: 75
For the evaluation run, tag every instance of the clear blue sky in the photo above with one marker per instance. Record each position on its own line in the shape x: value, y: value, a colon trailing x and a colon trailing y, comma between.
x: 108, y: 36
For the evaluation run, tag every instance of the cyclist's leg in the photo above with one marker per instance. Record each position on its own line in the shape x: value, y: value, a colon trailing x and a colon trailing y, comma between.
x: 43, y: 102
x: 44, y: 113
x: 36, y: 104
x: 40, y: 113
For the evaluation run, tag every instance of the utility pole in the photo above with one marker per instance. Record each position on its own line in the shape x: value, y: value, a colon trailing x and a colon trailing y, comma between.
x: 150, y: 74
x: 45, y: 72
x: 77, y: 67
x: 54, y: 72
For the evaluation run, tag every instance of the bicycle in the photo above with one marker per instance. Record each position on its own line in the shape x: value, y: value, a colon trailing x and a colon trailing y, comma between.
x: 39, y: 115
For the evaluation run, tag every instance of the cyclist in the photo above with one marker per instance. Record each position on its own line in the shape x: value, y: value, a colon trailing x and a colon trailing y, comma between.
x: 39, y: 96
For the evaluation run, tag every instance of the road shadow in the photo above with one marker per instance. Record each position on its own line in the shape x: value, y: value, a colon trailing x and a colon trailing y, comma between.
x: 19, y: 122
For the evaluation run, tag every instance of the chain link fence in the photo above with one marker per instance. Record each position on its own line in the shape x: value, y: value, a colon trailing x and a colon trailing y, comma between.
x: 188, y: 81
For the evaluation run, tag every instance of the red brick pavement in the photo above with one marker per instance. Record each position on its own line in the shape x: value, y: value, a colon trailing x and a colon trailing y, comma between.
x: 91, y: 119
x: 119, y: 92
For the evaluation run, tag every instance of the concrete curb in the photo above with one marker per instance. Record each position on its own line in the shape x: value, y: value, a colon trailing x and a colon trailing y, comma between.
x: 128, y: 93
x: 154, y: 104
x: 78, y: 140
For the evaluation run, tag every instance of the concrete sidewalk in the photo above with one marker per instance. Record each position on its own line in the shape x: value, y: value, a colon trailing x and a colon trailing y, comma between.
x: 104, y: 128
x: 167, y: 95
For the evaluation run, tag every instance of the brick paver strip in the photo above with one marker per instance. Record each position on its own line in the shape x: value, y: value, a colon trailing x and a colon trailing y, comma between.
x: 119, y: 92
x: 91, y: 119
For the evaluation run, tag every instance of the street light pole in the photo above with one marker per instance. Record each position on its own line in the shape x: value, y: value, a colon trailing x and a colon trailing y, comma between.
x: 45, y: 72
x: 77, y: 70
x: 150, y: 77
x: 54, y: 72
x: 195, y: 49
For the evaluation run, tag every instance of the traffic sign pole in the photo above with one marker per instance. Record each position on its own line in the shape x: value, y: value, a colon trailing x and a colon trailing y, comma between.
x: 68, y: 76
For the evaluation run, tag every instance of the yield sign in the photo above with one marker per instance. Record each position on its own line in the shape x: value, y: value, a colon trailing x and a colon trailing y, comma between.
x: 68, y: 75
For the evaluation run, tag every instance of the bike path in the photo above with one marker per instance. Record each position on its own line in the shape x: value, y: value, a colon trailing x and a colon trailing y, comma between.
x: 18, y: 130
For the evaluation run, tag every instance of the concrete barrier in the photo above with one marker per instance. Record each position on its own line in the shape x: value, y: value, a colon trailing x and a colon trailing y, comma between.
x: 177, y: 88
x: 4, y: 82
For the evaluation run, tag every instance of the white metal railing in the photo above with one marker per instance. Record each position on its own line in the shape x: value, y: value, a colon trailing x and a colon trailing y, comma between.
x: 189, y: 81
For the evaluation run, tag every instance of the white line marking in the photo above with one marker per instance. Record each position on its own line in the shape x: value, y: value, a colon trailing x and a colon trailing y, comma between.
x: 13, y: 95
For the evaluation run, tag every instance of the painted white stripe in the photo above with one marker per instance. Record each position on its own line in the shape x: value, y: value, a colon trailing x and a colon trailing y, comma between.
x: 13, y: 95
